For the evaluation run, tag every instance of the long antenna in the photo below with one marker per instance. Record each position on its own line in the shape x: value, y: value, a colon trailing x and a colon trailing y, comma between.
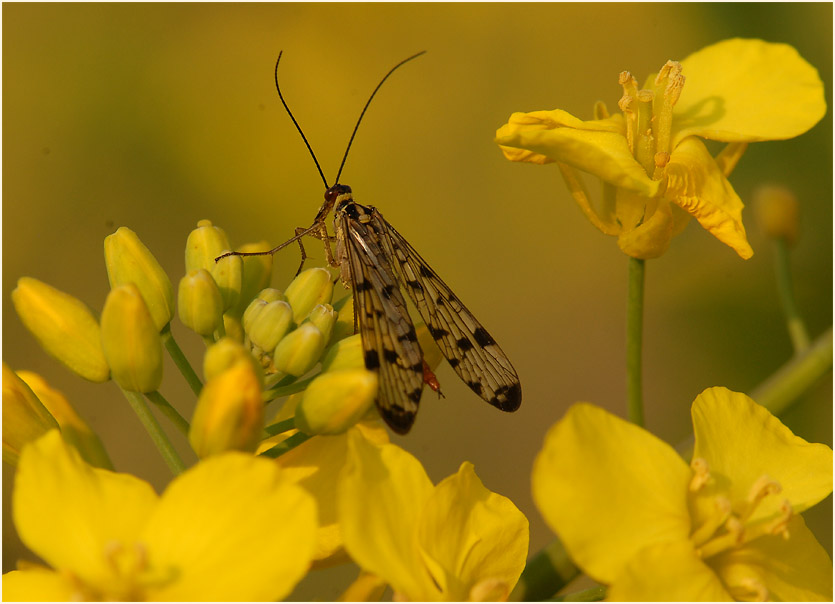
x: 354, y: 133
x: 296, y: 124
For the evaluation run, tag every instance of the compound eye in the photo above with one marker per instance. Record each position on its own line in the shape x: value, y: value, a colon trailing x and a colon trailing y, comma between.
x: 331, y: 194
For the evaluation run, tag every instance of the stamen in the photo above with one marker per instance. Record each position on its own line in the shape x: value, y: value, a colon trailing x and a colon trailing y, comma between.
x: 625, y: 104
x: 733, y: 537
x: 670, y: 77
x: 600, y: 111
x: 701, y: 471
x: 761, y: 488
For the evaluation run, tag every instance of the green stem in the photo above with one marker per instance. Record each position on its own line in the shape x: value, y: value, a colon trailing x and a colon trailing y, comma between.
x: 180, y: 360
x: 158, y: 437
x: 285, y: 445
x: 787, y: 384
x: 168, y: 410
x: 634, y: 341
x: 280, y: 427
x: 545, y: 574
x: 794, y: 321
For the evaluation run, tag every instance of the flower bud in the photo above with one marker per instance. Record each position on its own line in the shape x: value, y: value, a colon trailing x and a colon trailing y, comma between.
x: 777, y: 211
x: 324, y: 317
x: 129, y: 261
x: 230, y: 413
x: 199, y: 303
x: 25, y: 418
x: 271, y: 323
x: 299, y: 350
x: 257, y: 271
x: 64, y: 327
x: 131, y: 341
x: 346, y: 353
x: 311, y: 288
x: 204, y: 244
x: 336, y: 400
x: 258, y: 304
x: 74, y: 430
x: 233, y: 328
x: 228, y: 274
x: 225, y: 353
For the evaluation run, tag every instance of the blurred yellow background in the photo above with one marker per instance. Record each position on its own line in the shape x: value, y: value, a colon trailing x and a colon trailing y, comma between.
x: 154, y: 116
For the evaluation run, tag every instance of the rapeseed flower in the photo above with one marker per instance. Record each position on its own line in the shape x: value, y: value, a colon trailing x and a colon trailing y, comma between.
x: 109, y: 536
x: 656, y: 171
x: 637, y: 518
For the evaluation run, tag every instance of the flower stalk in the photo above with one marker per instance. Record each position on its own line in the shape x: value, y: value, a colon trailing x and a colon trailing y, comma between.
x: 634, y: 341
x: 159, y: 438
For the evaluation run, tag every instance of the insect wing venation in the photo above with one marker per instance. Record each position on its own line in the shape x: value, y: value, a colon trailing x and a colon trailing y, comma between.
x: 470, y: 349
x: 389, y: 339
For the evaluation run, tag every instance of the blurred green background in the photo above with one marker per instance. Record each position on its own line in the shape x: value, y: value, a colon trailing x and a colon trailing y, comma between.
x: 154, y: 116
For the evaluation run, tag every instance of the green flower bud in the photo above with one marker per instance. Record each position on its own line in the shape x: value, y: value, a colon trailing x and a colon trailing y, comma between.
x: 778, y: 212
x: 272, y: 323
x: 225, y: 353
x: 25, y: 418
x: 204, y: 244
x: 131, y: 341
x: 228, y: 273
x: 336, y: 400
x: 324, y: 317
x: 257, y: 271
x: 299, y: 350
x: 257, y: 305
x: 230, y: 413
x: 129, y: 261
x: 347, y: 353
x: 199, y: 304
x: 311, y: 288
x: 64, y: 327
x: 74, y: 430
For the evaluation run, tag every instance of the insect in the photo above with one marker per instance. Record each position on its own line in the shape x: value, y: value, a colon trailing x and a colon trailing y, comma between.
x: 376, y: 262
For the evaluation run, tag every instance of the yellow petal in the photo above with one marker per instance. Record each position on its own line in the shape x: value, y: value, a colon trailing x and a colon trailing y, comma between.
x: 793, y: 570
x: 748, y: 90
x: 651, y: 238
x: 70, y: 514
x: 597, y: 147
x: 670, y: 572
x: 742, y: 442
x: 212, y: 532
x: 38, y: 584
x: 697, y: 185
x: 381, y: 495
x: 608, y: 489
x: 472, y: 535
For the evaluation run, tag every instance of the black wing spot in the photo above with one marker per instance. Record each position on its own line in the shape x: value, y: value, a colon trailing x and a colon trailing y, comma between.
x: 437, y: 332
x: 483, y: 338
x: 475, y: 387
x: 415, y: 286
x: 414, y: 395
x: 425, y: 272
x: 508, y: 398
x: 464, y: 344
x: 372, y: 360
x: 409, y: 336
x: 390, y: 356
x: 387, y: 291
x: 362, y: 286
x: 453, y: 362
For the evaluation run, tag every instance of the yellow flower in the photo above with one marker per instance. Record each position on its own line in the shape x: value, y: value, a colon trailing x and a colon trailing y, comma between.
x: 634, y: 516
x: 108, y: 536
x: 656, y: 171
x: 25, y: 417
x: 452, y: 541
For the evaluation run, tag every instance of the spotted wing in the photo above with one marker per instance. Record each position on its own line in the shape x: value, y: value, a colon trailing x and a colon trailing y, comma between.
x: 389, y: 339
x: 471, y: 351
